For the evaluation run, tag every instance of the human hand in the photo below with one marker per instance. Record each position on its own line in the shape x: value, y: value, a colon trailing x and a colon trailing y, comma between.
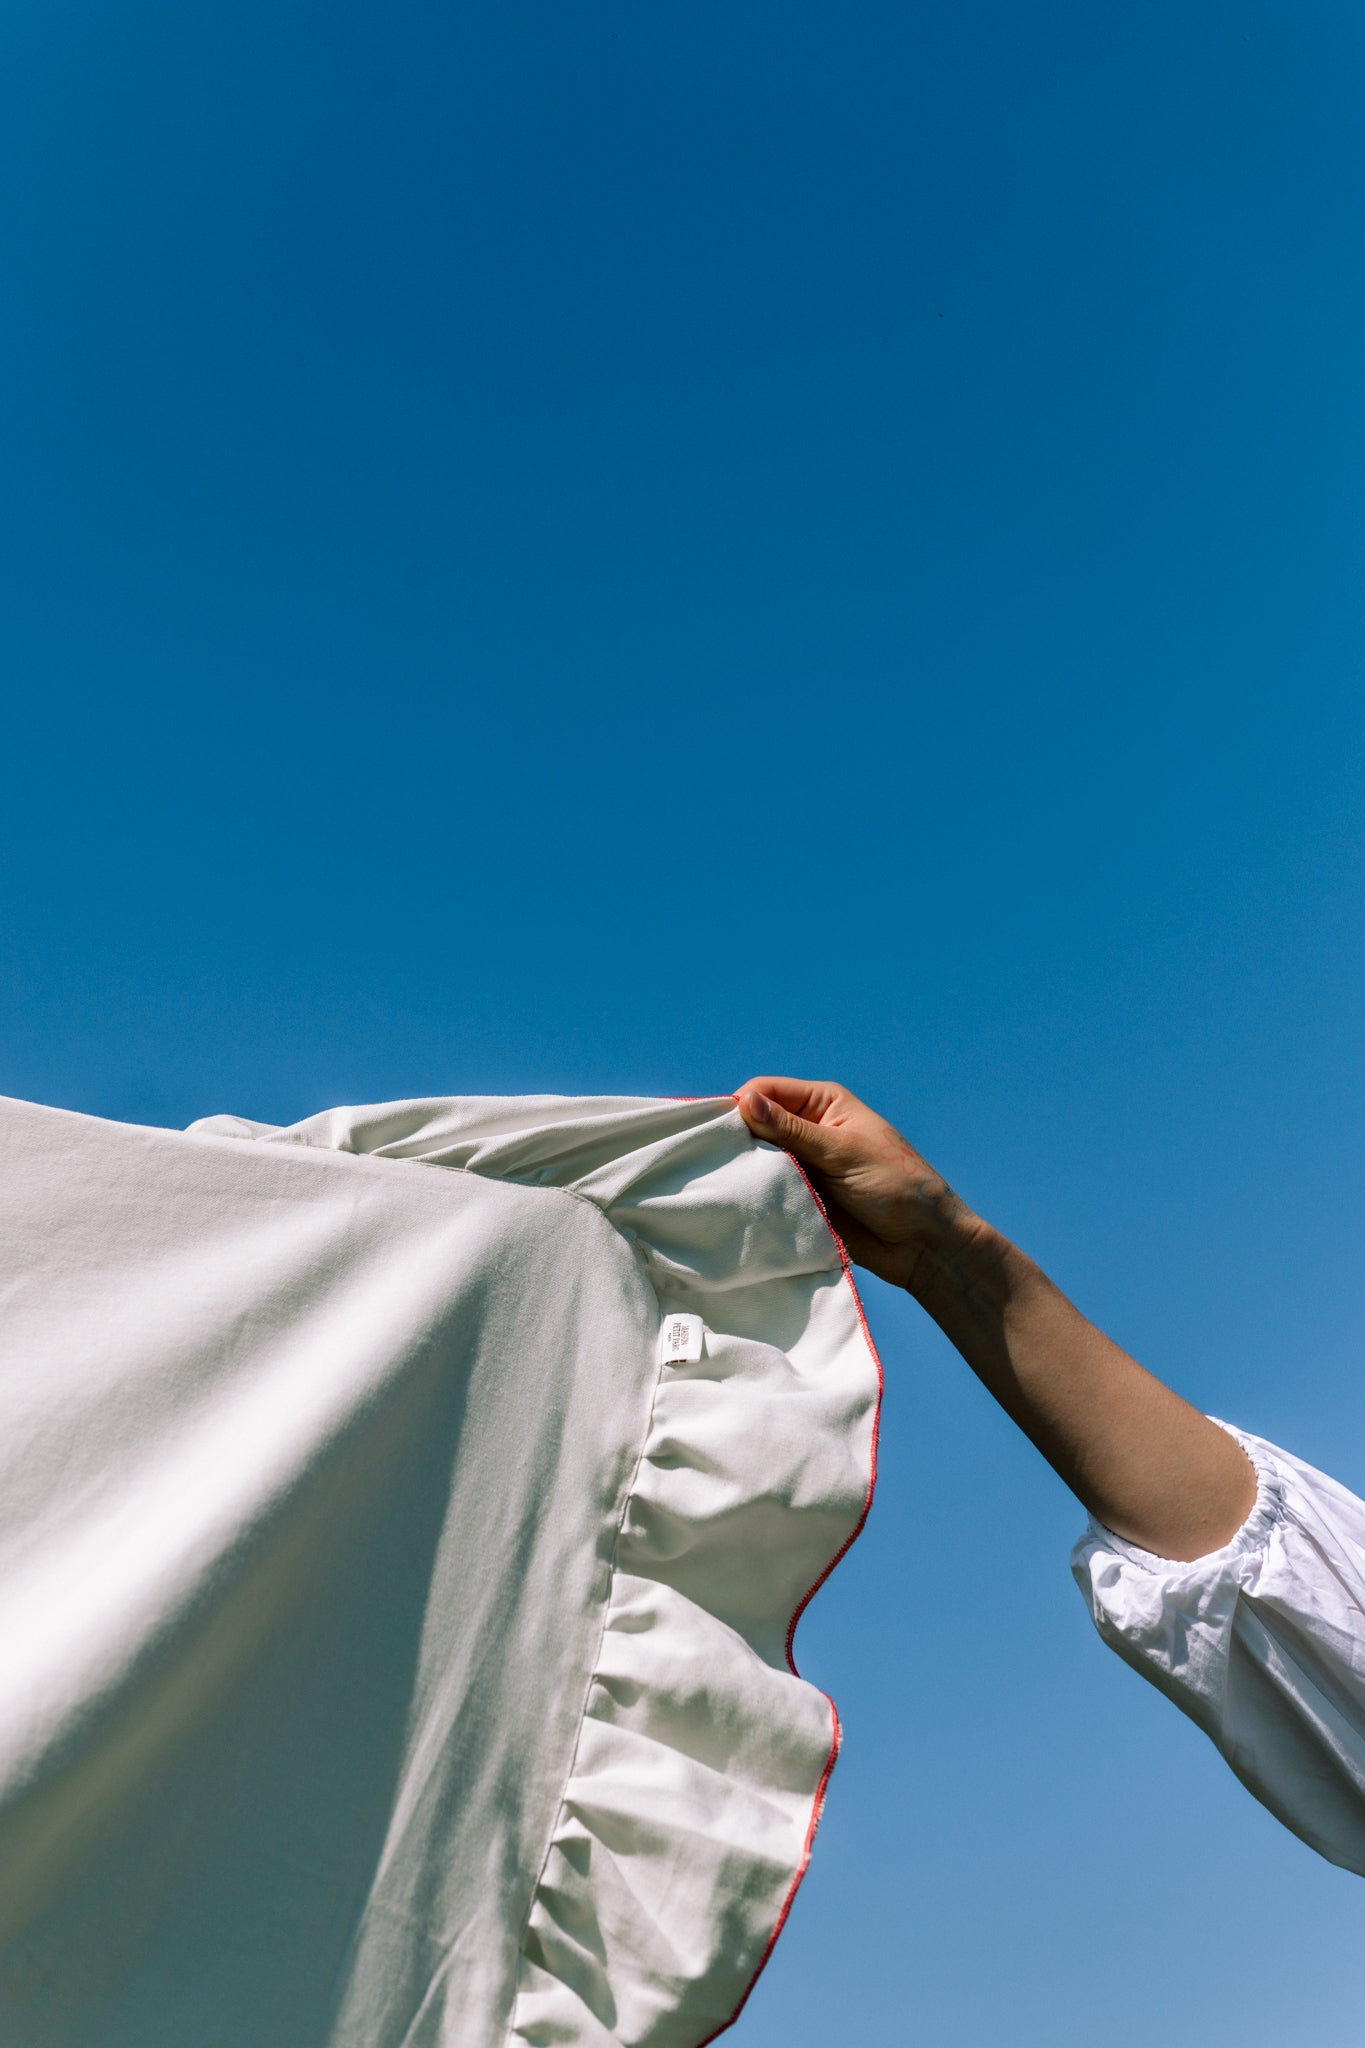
x: 886, y: 1202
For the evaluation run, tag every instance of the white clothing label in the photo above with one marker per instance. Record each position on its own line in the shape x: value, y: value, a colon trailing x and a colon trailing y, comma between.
x: 680, y: 1340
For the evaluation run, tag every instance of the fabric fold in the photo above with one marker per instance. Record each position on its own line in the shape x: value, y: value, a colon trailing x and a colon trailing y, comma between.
x: 702, y: 1761
x: 398, y: 1650
x: 702, y: 1758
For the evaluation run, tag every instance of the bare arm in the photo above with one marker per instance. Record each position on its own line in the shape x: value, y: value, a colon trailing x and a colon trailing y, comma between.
x: 1151, y: 1467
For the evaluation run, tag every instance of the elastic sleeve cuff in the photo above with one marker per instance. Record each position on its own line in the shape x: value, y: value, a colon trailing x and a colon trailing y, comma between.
x: 1267, y: 1510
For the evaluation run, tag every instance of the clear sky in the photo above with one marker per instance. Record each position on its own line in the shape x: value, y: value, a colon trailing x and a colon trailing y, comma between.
x: 601, y: 548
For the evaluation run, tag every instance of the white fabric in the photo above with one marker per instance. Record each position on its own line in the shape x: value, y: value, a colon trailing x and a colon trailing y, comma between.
x: 1261, y: 1643
x: 392, y: 1651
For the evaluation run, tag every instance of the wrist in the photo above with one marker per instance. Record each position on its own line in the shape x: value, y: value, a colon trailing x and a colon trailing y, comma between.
x: 962, y: 1255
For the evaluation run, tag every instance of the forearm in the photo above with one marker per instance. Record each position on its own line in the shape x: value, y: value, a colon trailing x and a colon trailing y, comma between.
x: 1146, y: 1463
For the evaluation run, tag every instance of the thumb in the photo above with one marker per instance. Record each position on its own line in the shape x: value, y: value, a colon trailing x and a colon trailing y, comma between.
x: 769, y: 1120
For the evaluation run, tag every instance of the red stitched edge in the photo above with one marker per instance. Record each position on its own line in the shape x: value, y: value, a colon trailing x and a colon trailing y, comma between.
x: 838, y: 1556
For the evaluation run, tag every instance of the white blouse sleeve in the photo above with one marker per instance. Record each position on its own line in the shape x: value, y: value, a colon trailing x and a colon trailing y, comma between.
x: 1262, y: 1643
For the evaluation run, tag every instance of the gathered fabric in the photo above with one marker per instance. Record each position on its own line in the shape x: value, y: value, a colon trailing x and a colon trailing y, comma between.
x: 404, y: 1516
x: 1262, y: 1643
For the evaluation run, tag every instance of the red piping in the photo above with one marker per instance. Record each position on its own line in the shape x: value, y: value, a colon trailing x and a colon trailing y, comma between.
x: 804, y: 1603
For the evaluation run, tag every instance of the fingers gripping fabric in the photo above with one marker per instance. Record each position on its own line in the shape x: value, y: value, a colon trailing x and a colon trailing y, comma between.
x: 434, y: 1686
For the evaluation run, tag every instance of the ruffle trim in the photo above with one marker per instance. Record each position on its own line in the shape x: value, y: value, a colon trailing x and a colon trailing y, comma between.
x: 702, y: 1757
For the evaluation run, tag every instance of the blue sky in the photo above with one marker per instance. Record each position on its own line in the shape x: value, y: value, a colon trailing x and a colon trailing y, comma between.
x: 596, y: 548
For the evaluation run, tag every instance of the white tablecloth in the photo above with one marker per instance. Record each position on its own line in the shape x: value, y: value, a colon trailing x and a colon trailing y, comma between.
x: 392, y: 1651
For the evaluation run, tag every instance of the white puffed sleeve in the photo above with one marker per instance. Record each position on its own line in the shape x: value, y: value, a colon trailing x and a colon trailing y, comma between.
x: 1262, y: 1643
